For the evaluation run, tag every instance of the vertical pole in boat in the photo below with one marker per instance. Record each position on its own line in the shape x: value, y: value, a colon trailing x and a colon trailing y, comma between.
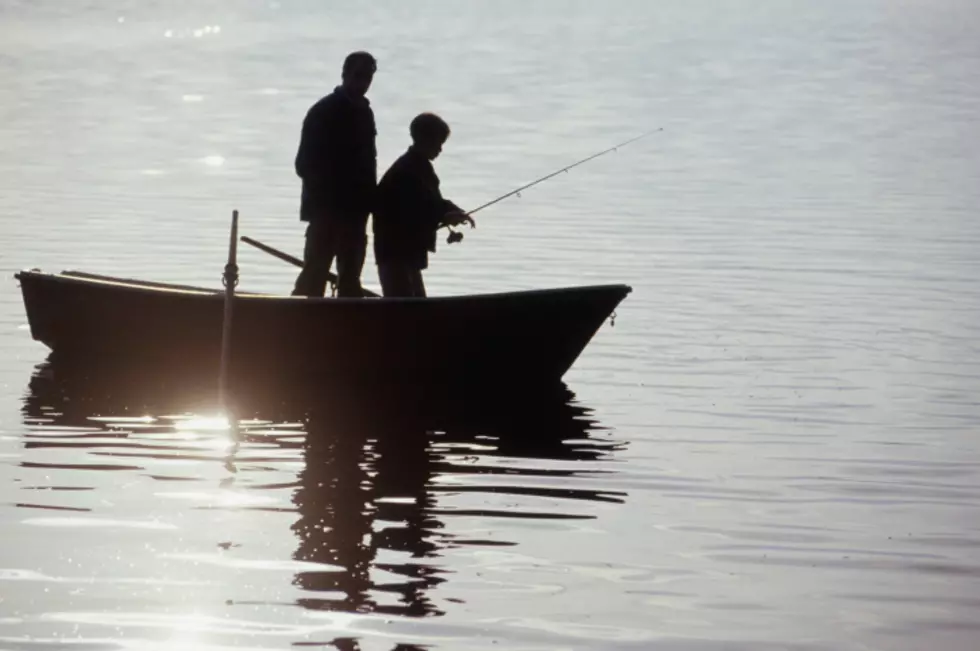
x: 230, y: 280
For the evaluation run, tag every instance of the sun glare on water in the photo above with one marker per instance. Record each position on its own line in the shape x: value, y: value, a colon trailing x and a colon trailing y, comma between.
x: 215, y: 423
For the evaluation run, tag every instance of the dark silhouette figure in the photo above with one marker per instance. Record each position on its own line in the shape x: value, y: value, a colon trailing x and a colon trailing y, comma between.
x: 361, y: 469
x: 337, y: 161
x: 410, y: 209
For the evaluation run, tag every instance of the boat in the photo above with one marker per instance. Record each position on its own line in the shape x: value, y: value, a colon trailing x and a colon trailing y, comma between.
x: 518, y: 337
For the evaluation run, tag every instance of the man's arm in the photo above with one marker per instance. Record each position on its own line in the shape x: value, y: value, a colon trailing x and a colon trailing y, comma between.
x: 318, y: 143
x: 304, y: 155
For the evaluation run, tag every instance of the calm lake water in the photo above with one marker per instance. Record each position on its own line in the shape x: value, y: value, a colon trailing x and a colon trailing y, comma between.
x: 775, y: 446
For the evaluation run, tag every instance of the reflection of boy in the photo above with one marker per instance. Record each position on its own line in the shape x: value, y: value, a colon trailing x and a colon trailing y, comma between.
x: 409, y: 209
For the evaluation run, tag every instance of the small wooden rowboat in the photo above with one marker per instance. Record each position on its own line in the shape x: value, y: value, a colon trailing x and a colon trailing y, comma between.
x: 514, y: 337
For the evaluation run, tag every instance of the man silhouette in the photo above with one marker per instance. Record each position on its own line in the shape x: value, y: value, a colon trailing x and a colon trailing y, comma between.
x: 337, y: 162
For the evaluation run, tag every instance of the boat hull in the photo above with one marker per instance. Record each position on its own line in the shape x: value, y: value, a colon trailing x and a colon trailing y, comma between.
x: 519, y: 337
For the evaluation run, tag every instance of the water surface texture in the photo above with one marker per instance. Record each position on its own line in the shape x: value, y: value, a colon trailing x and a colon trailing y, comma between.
x: 775, y: 446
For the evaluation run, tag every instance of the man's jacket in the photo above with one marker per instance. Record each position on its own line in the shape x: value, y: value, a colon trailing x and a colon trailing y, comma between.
x: 337, y: 158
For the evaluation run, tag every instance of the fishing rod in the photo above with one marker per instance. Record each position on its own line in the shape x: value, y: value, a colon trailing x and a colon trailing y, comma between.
x: 456, y: 237
x: 564, y: 169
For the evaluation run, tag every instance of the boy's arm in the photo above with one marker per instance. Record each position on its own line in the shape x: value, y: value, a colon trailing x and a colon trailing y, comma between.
x: 450, y: 206
x: 453, y: 215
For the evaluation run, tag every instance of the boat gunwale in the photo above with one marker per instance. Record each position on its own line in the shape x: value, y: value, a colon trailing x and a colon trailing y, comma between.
x: 83, y: 278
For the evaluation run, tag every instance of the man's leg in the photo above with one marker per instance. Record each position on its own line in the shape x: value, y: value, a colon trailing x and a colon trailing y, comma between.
x: 351, y: 252
x: 318, y: 254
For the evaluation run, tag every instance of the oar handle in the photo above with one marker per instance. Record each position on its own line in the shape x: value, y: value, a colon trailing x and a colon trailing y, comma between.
x: 276, y: 253
x: 296, y: 262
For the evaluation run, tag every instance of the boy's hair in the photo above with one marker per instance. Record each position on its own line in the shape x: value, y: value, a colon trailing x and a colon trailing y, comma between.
x: 428, y: 127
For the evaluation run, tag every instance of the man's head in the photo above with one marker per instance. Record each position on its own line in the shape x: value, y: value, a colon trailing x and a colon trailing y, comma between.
x: 429, y: 133
x: 359, y: 69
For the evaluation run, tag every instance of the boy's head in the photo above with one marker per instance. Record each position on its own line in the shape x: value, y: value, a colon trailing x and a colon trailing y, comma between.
x: 429, y: 133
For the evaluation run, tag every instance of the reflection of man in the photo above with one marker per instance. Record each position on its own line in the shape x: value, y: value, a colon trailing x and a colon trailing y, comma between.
x: 337, y: 161
x: 356, y: 463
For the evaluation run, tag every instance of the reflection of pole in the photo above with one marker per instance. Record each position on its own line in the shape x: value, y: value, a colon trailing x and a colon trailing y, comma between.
x: 230, y: 280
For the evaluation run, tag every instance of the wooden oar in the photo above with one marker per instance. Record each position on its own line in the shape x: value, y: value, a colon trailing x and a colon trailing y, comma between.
x: 296, y: 262
x: 285, y: 257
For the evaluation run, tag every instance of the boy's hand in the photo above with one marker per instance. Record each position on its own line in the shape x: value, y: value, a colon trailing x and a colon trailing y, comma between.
x: 457, y: 217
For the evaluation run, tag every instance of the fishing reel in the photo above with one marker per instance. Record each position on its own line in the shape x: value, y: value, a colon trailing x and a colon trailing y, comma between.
x: 454, y: 236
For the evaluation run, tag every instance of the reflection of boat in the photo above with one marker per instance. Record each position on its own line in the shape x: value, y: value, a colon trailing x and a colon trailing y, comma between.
x: 527, y: 336
x: 373, y: 517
